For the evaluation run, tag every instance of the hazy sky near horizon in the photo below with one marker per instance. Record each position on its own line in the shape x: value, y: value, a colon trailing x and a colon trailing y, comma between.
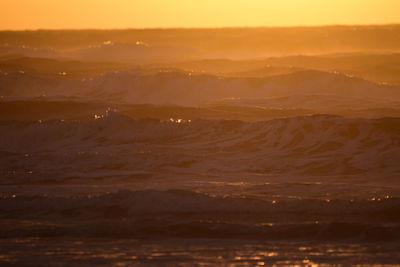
x: 78, y: 14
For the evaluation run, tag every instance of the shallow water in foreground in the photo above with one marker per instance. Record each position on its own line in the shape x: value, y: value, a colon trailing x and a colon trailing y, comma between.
x: 195, y: 252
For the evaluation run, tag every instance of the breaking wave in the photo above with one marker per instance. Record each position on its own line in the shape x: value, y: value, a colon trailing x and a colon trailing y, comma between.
x: 320, y: 144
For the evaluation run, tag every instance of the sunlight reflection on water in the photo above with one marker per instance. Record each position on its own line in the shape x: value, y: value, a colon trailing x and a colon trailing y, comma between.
x: 189, y: 252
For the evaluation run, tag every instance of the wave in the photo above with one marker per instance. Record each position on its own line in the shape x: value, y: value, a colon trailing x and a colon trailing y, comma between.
x: 183, y: 88
x: 138, y: 51
x: 130, y: 203
x: 189, y: 214
x: 318, y: 145
x: 324, y: 103
x: 284, y: 132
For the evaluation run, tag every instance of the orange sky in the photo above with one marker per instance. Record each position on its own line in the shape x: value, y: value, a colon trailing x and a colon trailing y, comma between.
x: 72, y: 14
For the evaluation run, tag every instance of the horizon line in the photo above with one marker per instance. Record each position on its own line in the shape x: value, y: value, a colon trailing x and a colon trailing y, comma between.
x: 202, y: 28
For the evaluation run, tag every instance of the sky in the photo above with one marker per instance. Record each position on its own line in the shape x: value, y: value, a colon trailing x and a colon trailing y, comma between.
x: 110, y: 14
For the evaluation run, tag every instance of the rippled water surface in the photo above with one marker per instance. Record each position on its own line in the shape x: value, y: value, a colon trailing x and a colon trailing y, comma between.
x: 199, y: 252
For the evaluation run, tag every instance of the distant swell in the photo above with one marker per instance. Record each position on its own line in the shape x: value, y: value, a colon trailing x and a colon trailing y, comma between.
x: 183, y: 88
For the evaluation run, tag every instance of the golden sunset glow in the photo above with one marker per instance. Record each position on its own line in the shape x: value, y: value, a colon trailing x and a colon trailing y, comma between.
x: 200, y: 132
x: 50, y: 14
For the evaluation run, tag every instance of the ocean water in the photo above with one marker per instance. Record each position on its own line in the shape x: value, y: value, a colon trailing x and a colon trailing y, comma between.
x: 192, y: 148
x: 310, y: 190
x: 193, y: 252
